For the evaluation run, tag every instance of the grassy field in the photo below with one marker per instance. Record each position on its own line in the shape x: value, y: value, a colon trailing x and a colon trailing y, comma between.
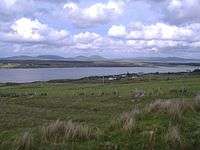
x: 161, y: 113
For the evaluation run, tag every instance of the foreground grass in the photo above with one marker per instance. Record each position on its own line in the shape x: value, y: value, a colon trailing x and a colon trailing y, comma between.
x: 161, y: 113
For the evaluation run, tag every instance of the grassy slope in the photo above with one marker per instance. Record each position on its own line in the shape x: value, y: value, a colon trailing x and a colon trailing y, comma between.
x: 28, y: 107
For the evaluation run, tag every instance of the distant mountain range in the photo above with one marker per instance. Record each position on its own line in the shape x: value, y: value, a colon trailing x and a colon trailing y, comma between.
x: 55, y: 57
x: 100, y: 58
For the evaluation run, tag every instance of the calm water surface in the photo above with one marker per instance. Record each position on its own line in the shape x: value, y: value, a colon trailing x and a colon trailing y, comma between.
x: 45, y: 74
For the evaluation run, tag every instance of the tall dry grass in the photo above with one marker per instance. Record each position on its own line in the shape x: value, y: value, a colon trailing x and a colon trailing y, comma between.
x: 173, y: 108
x: 24, y: 142
x: 152, y: 139
x: 54, y: 132
x: 126, y: 121
x: 197, y: 102
x: 173, y: 137
x: 60, y: 131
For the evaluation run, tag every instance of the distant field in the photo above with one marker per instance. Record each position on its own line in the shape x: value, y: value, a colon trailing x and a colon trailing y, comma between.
x: 8, y: 65
x: 161, y: 113
x: 65, y: 64
x: 70, y: 64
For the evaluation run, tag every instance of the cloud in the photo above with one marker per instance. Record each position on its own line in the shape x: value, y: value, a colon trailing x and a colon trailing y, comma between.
x: 182, y: 10
x: 165, y: 26
x: 30, y: 36
x: 56, y: 1
x: 176, y: 11
x: 28, y: 29
x: 86, y: 37
x: 157, y: 31
x: 156, y: 45
x: 117, y: 31
x: 86, y: 40
x: 7, y: 3
x: 95, y: 43
x: 17, y: 6
x: 25, y: 29
x: 161, y: 31
x: 97, y: 13
x: 158, y: 37
x: 27, y: 34
x: 11, y: 10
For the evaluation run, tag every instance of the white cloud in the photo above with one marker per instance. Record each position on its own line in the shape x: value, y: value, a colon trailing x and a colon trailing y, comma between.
x: 136, y: 38
x: 8, y: 3
x: 27, y: 34
x: 157, y: 31
x: 94, y: 42
x: 173, y: 25
x: 95, y: 14
x: 161, y: 31
x: 25, y: 29
x: 184, y: 9
x: 28, y: 29
x: 155, y: 44
x: 86, y: 37
x: 71, y: 7
x: 117, y: 31
x: 14, y: 7
x: 195, y: 44
x: 157, y: 37
x: 86, y: 40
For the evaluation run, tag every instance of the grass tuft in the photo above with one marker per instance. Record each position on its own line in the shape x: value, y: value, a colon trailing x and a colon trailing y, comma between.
x: 174, y: 137
x: 126, y: 121
x: 197, y: 102
x: 173, y: 108
x: 24, y: 142
x: 54, y: 132
x: 60, y: 131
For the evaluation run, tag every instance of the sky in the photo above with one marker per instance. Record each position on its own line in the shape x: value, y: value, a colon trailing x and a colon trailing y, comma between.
x: 110, y: 28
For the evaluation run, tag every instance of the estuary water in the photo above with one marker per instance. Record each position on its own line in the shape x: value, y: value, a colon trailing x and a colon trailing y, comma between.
x: 46, y: 74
